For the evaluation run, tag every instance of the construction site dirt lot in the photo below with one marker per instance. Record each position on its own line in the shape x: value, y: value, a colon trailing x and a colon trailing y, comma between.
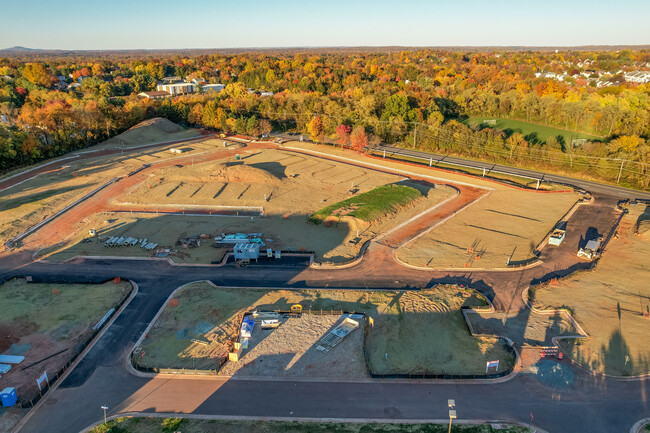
x: 30, y: 201
x: 414, y: 332
x: 501, y: 228
x: 154, y: 130
x: 611, y: 302
x: 285, y: 187
x: 46, y: 323
x: 291, y: 350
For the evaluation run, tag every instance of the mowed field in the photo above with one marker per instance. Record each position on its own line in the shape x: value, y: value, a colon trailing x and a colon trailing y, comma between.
x: 39, y: 320
x: 288, y: 186
x: 609, y: 303
x: 535, y: 132
x: 413, y: 333
x: 506, y: 224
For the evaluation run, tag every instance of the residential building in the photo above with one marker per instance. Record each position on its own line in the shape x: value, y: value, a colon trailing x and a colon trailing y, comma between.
x: 177, y: 88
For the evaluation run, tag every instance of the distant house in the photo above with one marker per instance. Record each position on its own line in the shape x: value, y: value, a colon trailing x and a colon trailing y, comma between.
x: 171, y: 80
x: 198, y: 81
x: 157, y: 94
x: 266, y: 93
x: 213, y: 88
x: 6, y: 77
x: 177, y: 88
x: 73, y: 86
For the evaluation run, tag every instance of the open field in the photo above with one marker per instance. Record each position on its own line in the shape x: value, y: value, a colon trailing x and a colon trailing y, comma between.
x: 609, y: 303
x: 372, y: 205
x: 189, y: 425
x: 289, y: 187
x: 503, y: 227
x: 39, y: 320
x: 154, y: 130
x: 532, y: 132
x: 414, y: 332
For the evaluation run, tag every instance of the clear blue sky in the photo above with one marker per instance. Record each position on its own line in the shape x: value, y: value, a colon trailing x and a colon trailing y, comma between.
x: 132, y: 24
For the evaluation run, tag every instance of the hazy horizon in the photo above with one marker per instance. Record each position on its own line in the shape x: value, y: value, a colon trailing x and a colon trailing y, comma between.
x: 254, y: 24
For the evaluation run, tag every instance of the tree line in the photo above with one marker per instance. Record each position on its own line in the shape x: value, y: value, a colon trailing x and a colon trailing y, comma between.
x: 416, y: 98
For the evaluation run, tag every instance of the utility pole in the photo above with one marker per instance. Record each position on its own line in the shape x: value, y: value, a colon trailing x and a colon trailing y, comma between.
x: 415, y: 136
x: 620, y: 171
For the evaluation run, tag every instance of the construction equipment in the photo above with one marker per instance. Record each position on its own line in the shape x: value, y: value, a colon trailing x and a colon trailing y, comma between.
x: 591, y: 250
x: 296, y: 309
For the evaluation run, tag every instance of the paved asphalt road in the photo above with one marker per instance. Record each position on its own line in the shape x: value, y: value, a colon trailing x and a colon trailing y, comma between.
x: 594, y: 187
x: 592, y: 404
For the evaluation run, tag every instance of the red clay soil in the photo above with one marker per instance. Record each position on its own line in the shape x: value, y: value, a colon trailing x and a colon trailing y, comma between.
x: 62, y: 227
x: 55, y: 165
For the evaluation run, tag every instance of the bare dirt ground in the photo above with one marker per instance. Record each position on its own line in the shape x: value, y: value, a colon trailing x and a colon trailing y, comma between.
x: 294, y: 185
x: 413, y: 332
x: 41, y: 320
x: 290, y: 351
x: 609, y: 302
x: 149, y: 131
x: 503, y: 227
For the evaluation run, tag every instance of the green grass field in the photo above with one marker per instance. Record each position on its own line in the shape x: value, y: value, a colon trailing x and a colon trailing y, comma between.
x: 371, y: 205
x: 541, y: 133
x: 414, y: 332
x: 170, y: 425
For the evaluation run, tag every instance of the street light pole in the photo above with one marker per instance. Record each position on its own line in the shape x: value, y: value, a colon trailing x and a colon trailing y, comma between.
x: 105, y: 409
x: 452, y: 412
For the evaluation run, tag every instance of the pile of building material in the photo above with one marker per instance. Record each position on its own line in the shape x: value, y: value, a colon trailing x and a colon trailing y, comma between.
x: 6, y: 360
x: 189, y: 242
x: 337, y: 334
x: 128, y: 241
x: 238, y: 238
x: 591, y: 250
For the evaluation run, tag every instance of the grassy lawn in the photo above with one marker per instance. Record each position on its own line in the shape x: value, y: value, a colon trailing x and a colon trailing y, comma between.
x: 532, y: 131
x: 371, y: 205
x: 609, y: 303
x: 46, y: 323
x: 414, y: 332
x: 160, y: 425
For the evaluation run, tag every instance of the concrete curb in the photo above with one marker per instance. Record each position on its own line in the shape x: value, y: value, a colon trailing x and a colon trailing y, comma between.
x: 445, y: 421
x: 135, y: 372
x: 50, y: 391
x: 638, y: 426
x: 566, y: 314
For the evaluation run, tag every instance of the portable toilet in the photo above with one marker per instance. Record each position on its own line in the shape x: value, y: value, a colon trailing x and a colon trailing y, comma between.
x: 8, y: 397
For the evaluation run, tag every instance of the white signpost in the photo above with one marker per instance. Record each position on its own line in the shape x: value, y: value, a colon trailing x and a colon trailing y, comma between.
x: 492, y: 364
x: 41, y: 379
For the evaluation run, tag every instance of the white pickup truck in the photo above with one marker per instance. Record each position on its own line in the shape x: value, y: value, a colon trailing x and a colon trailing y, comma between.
x: 591, y: 250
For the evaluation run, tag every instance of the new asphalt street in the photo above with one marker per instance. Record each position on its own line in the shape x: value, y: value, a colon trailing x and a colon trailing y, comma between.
x: 593, y: 404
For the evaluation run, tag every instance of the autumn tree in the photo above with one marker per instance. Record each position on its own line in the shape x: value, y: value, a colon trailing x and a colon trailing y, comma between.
x: 265, y: 127
x: 38, y: 74
x: 343, y: 134
x: 316, y: 129
x: 358, y: 138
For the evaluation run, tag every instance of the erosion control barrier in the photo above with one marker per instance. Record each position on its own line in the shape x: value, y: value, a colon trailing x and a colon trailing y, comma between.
x: 45, y: 387
x: 12, y: 242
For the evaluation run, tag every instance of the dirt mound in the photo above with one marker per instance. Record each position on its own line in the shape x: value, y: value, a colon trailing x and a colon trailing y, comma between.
x: 242, y: 173
x: 148, y: 131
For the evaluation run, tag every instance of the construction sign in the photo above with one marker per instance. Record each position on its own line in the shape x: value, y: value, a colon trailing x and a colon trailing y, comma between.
x: 41, y: 379
x: 492, y: 364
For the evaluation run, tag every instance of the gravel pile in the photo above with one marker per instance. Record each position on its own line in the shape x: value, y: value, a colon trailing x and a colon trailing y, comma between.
x: 290, y: 351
